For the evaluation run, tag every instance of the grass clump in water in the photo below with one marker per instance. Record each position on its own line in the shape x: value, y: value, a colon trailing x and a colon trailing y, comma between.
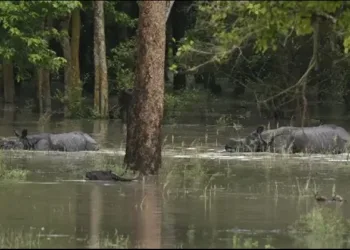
x: 117, y: 241
x: 7, y: 173
x: 18, y: 239
x: 239, y: 242
x: 320, y: 228
x: 187, y: 174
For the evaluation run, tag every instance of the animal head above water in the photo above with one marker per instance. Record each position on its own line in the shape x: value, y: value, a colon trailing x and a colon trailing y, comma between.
x: 253, y: 142
x: 24, y: 139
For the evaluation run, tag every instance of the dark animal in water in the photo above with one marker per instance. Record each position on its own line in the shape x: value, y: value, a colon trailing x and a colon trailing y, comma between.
x: 335, y: 198
x: 70, y: 142
x: 320, y: 198
x: 100, y: 175
x: 320, y: 139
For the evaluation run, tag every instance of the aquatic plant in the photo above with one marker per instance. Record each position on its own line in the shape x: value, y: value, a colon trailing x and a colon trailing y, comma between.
x: 187, y: 174
x: 322, y: 227
x: 115, y: 241
x: 240, y: 242
x: 19, y: 239
x: 7, y: 172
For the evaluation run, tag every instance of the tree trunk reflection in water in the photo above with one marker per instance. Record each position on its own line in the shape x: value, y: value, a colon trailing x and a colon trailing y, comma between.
x: 150, y: 217
x: 9, y: 112
x: 96, y: 207
x: 71, y: 125
x: 168, y: 229
x: 100, y: 130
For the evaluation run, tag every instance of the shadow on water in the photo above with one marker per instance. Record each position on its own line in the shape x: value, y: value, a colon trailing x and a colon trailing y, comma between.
x: 201, y: 198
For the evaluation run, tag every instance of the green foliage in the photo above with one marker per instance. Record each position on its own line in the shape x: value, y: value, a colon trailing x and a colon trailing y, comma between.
x: 123, y: 63
x: 175, y: 103
x: 74, y: 102
x: 114, y: 14
x: 223, y: 27
x: 24, y: 35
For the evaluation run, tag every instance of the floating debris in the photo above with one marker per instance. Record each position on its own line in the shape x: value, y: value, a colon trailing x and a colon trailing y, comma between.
x: 338, y: 198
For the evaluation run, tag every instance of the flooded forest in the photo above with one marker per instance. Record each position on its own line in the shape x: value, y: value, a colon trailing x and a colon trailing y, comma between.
x: 188, y: 97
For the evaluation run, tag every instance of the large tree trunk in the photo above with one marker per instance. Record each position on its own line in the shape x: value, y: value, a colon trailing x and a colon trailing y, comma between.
x: 143, y: 150
x: 101, y: 78
x: 67, y: 68
x: 75, y: 88
x: 9, y: 82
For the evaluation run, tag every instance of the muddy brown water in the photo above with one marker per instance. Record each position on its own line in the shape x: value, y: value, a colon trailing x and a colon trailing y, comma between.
x: 216, y: 196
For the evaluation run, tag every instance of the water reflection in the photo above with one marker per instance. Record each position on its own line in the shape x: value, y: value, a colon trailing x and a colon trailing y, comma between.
x: 96, y: 209
x: 149, y: 214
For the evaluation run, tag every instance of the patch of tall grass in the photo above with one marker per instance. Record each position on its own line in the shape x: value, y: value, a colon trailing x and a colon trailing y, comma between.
x: 240, y: 242
x: 115, y: 241
x: 322, y: 227
x: 8, y: 173
x: 19, y: 239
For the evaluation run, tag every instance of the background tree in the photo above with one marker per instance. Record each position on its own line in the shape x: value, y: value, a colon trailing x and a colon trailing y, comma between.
x: 101, y: 79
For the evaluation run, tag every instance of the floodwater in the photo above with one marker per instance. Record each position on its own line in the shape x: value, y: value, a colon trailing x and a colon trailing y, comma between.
x: 203, y: 197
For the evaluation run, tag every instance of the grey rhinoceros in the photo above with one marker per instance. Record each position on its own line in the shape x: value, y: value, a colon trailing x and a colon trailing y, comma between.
x: 70, y: 142
x: 327, y: 138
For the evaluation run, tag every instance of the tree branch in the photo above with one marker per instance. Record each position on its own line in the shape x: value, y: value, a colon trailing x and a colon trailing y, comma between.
x: 299, y: 83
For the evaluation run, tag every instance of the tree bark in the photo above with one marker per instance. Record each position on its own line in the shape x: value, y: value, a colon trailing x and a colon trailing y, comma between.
x: 40, y: 80
x: 67, y: 69
x: 75, y: 88
x: 46, y: 88
x: 168, y: 37
x: 143, y: 150
x: 9, y: 82
x: 101, y: 77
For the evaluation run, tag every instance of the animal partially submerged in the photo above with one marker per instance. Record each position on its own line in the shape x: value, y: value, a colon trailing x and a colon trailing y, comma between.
x: 70, y: 142
x: 101, y: 175
x: 321, y: 139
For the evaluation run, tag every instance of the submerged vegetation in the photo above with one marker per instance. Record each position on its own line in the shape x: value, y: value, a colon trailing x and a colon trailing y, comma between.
x: 322, y: 227
x: 19, y: 239
x: 115, y: 241
x: 248, y: 243
x: 9, y: 173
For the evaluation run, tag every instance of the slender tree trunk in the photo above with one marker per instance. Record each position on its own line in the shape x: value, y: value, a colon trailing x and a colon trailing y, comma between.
x: 75, y: 89
x: 168, y: 41
x: 101, y: 78
x: 143, y: 151
x: 9, y: 82
x: 40, y: 80
x: 67, y: 69
x: 46, y: 88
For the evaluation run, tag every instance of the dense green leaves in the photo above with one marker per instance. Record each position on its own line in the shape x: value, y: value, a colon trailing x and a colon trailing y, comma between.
x: 24, y: 33
x: 223, y: 27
